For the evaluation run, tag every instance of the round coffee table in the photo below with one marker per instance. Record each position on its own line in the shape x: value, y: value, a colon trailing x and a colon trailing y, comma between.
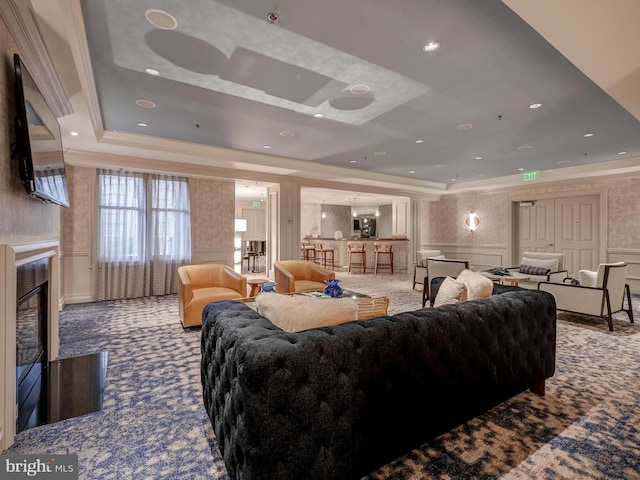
x: 254, y: 284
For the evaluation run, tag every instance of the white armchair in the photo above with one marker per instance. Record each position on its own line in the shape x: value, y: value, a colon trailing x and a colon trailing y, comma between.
x: 603, y: 299
x: 441, y: 267
x: 420, y: 272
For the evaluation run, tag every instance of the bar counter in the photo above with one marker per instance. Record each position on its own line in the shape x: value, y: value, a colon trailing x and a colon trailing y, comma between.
x: 400, y: 252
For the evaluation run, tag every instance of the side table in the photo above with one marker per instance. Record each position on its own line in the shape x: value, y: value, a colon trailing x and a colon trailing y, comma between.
x: 254, y: 284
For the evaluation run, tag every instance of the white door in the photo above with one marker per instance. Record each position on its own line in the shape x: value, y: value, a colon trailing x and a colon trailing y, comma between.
x: 577, y: 229
x: 537, y: 227
x: 568, y: 225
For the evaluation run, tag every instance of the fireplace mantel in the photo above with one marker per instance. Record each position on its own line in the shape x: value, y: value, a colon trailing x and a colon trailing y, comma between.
x: 12, y: 257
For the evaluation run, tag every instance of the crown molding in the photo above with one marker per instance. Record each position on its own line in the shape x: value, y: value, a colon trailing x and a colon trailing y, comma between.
x: 23, y: 27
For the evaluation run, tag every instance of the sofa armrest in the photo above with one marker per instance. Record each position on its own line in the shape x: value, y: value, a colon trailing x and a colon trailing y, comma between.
x: 232, y: 279
x: 576, y: 298
x: 285, y: 281
x: 317, y: 273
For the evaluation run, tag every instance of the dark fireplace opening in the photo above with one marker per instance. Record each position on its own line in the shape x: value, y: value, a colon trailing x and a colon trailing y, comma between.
x: 31, y: 354
x: 47, y: 392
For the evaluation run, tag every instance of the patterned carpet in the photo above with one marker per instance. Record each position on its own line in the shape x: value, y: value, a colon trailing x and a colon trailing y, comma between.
x: 153, y: 424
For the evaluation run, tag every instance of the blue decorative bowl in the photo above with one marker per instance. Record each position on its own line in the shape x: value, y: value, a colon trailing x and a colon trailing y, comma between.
x: 267, y: 287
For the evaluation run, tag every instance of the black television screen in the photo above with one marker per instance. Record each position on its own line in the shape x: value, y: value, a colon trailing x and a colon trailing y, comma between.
x: 38, y: 142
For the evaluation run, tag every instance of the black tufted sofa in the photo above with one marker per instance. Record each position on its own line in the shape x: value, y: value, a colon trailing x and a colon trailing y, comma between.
x: 338, y: 402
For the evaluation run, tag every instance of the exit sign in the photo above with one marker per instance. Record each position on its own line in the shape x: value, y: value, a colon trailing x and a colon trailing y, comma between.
x: 530, y: 176
x: 256, y: 203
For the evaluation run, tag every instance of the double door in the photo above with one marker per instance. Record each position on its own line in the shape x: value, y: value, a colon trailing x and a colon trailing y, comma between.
x: 568, y: 225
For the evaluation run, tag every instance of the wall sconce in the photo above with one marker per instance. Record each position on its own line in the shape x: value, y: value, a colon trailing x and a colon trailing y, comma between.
x: 471, y: 221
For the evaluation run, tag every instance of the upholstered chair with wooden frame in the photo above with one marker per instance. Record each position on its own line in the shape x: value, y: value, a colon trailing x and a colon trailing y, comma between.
x: 296, y: 276
x: 420, y: 270
x: 441, y: 267
x: 199, y: 285
x: 602, y: 299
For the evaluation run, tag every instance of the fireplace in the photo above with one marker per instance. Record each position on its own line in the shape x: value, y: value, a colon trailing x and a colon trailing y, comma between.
x: 29, y: 335
x: 31, y: 341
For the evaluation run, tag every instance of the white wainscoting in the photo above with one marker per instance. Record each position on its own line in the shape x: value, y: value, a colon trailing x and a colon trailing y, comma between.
x: 632, y: 257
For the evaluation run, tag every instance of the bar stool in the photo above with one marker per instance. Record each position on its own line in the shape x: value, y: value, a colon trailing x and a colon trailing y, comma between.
x: 357, y: 249
x: 327, y: 255
x: 308, y: 252
x: 380, y: 248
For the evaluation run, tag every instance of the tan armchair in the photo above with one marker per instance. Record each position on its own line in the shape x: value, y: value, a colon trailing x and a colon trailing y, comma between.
x: 294, y: 276
x: 199, y: 285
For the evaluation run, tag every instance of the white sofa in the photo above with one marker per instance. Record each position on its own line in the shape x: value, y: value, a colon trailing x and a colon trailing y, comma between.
x: 541, y: 267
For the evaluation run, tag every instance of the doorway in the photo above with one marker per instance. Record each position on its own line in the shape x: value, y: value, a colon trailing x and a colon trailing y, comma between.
x: 569, y: 225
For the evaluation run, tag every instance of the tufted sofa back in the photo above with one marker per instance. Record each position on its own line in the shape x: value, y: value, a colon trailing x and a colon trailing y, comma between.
x: 338, y: 402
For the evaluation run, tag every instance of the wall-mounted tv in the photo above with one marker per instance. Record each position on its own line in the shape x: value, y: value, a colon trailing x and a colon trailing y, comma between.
x: 38, y: 144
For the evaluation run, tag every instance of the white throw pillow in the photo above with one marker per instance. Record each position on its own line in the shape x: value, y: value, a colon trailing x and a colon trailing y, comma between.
x: 293, y: 313
x: 587, y: 278
x: 478, y: 286
x: 450, y: 292
x: 551, y: 264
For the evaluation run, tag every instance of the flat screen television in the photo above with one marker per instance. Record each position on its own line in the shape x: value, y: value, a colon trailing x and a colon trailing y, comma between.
x: 38, y: 144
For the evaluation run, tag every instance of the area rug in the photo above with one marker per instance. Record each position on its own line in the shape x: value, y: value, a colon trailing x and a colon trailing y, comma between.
x: 153, y: 424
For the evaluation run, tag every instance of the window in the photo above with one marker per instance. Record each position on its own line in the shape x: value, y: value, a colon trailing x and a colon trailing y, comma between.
x: 142, y: 222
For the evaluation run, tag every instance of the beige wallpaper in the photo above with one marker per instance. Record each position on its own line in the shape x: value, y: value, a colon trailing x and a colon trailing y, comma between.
x: 213, y: 207
x: 442, y: 221
x: 77, y: 221
x: 22, y: 219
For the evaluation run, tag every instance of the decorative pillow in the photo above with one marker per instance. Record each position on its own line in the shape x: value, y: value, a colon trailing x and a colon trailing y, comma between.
x: 588, y: 278
x: 478, y: 286
x: 293, y: 313
x: 451, y: 291
x: 551, y: 263
x: 529, y: 270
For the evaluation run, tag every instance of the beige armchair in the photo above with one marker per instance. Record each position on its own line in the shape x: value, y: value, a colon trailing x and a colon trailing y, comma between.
x: 294, y: 276
x: 603, y: 299
x: 441, y: 267
x: 199, y: 285
x: 420, y: 271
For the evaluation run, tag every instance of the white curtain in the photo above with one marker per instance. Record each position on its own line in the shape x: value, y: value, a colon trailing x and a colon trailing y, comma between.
x: 143, y: 234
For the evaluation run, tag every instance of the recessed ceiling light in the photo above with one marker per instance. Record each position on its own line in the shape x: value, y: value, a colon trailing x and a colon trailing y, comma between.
x: 478, y: 158
x: 535, y: 105
x: 74, y: 134
x: 353, y: 161
x: 161, y: 19
x: 287, y: 133
x: 622, y: 153
x: 318, y: 115
x: 520, y: 169
x: 525, y: 147
x: 379, y: 153
x: 587, y: 135
x: 412, y: 171
x: 465, y: 126
x: 563, y: 162
x: 145, y: 103
x: 419, y: 141
x: 151, y: 71
x: 359, y: 89
x: 453, y: 179
x: 142, y: 124
x: 482, y: 174
x: 266, y: 146
x: 431, y: 46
